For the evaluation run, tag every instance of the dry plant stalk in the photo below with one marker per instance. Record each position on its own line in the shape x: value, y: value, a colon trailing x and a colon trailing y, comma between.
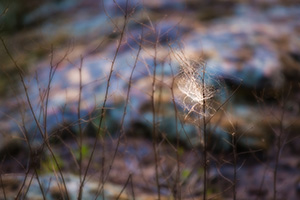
x: 193, y: 85
x: 154, y: 128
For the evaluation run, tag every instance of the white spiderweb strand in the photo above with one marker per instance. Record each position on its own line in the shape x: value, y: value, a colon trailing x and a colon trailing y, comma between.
x: 190, y: 83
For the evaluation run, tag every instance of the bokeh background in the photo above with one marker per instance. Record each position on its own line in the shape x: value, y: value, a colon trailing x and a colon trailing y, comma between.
x: 251, y: 54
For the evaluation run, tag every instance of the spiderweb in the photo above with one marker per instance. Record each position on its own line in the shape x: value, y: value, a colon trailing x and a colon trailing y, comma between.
x: 195, y: 86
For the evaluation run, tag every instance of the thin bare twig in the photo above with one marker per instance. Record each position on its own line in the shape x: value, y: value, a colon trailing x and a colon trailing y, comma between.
x: 127, y: 181
x: 103, y: 111
x: 154, y: 131
x: 42, y: 131
x: 80, y: 129
x: 177, y: 192
x: 122, y: 131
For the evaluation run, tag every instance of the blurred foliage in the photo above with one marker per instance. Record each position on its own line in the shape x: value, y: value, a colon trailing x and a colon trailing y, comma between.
x: 185, y: 174
x: 85, y: 152
x: 13, y: 12
x: 49, y: 165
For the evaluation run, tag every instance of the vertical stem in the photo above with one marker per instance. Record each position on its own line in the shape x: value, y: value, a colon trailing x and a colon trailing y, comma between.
x: 279, y: 148
x: 275, y: 174
x: 205, y: 161
x: 177, y: 192
x: 234, y: 166
x: 132, y: 189
x: 2, y: 185
x: 154, y: 132
x: 280, y: 142
x: 80, y: 129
